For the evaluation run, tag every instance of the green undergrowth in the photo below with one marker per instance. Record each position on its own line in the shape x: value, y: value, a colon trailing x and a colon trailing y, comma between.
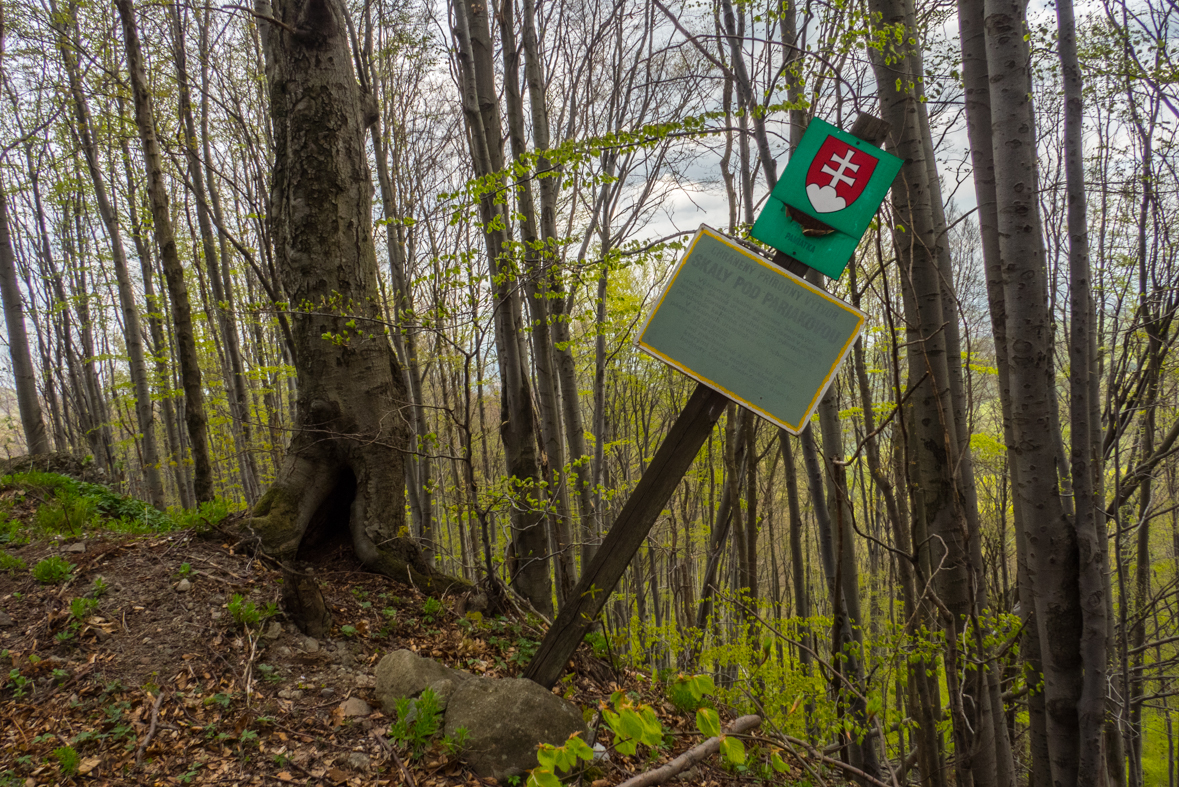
x: 46, y: 505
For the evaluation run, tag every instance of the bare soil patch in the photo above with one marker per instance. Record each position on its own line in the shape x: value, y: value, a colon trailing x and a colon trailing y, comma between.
x: 159, y: 684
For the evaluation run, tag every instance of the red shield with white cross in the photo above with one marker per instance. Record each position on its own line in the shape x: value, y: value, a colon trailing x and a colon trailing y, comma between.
x: 838, y: 175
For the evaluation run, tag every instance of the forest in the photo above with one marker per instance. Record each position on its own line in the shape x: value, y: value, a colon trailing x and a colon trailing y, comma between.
x: 375, y: 271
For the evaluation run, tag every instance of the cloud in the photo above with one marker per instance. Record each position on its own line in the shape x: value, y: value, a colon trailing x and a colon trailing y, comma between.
x: 824, y: 199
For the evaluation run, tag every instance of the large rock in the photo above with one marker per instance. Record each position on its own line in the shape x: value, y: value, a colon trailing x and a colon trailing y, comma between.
x: 404, y: 673
x: 506, y: 720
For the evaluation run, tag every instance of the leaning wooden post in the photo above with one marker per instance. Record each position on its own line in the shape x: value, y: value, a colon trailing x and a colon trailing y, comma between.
x: 672, y: 460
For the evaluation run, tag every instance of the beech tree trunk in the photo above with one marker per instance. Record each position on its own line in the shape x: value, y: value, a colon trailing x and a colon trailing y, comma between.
x: 136, y: 363
x: 944, y: 495
x: 344, y: 469
x: 190, y: 371
x: 528, y: 562
x: 24, y: 376
x: 1050, y: 536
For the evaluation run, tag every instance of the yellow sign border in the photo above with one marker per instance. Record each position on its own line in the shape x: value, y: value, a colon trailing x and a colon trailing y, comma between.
x: 792, y: 428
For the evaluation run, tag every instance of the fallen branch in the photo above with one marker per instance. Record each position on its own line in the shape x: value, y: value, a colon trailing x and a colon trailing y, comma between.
x: 690, y: 757
x: 151, y: 731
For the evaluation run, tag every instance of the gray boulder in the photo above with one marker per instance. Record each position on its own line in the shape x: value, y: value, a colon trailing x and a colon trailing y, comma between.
x: 506, y: 720
x: 404, y: 673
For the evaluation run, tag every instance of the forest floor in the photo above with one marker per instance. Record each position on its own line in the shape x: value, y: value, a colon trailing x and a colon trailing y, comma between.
x: 136, y: 668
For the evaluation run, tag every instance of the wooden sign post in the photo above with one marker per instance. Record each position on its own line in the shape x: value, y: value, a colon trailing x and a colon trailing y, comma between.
x: 687, y: 435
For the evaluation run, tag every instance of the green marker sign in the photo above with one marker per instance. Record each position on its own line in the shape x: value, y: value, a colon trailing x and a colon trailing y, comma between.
x: 751, y: 330
x: 835, y: 178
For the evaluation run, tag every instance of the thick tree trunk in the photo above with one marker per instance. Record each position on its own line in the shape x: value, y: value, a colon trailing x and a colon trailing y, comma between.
x: 942, y: 495
x: 344, y: 467
x: 194, y: 397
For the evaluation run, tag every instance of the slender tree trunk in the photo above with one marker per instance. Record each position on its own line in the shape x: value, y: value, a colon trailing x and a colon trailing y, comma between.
x: 23, y: 373
x: 1049, y: 535
x: 232, y: 370
x: 534, y: 280
x: 481, y: 110
x: 194, y: 398
x: 1085, y: 462
x: 137, y: 366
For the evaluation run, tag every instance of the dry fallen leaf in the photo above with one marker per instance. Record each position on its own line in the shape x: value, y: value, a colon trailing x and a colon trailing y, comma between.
x: 285, y: 776
x: 87, y: 765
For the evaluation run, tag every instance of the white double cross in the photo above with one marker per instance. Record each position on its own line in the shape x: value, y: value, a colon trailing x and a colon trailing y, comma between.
x: 845, y: 164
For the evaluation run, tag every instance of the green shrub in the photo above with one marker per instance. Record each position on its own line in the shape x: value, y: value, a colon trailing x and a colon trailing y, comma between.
x: 432, y: 609
x: 68, y: 759
x: 418, y: 721
x: 687, y: 693
x: 72, y: 506
x: 69, y: 513
x: 53, y: 570
x: 10, y: 530
x: 201, y: 517
x: 244, y: 612
x: 10, y: 562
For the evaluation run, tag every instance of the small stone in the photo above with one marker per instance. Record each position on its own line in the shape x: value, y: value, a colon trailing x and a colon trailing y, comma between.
x: 356, y: 761
x: 311, y: 645
x: 355, y: 706
x: 5, y: 619
x: 326, y: 691
x: 273, y: 631
x: 77, y: 546
x: 291, y: 694
x: 183, y: 586
x: 283, y: 651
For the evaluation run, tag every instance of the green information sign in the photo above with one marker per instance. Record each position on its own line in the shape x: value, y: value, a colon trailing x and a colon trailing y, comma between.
x: 749, y: 329
x: 835, y: 178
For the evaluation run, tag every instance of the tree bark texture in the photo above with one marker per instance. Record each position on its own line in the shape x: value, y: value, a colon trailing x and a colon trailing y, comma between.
x: 1050, y: 538
x: 941, y: 493
x: 344, y: 469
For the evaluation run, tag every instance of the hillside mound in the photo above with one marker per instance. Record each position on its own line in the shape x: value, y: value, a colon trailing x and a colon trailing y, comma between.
x: 149, y: 651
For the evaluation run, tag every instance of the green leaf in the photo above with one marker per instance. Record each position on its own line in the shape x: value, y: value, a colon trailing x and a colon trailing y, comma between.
x: 579, y: 747
x: 631, y: 724
x: 540, y: 777
x: 778, y: 763
x: 733, y: 750
x: 547, y: 756
x: 708, y: 722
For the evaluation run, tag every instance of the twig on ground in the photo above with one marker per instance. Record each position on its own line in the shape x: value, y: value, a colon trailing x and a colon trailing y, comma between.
x: 151, y: 731
x: 690, y: 757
